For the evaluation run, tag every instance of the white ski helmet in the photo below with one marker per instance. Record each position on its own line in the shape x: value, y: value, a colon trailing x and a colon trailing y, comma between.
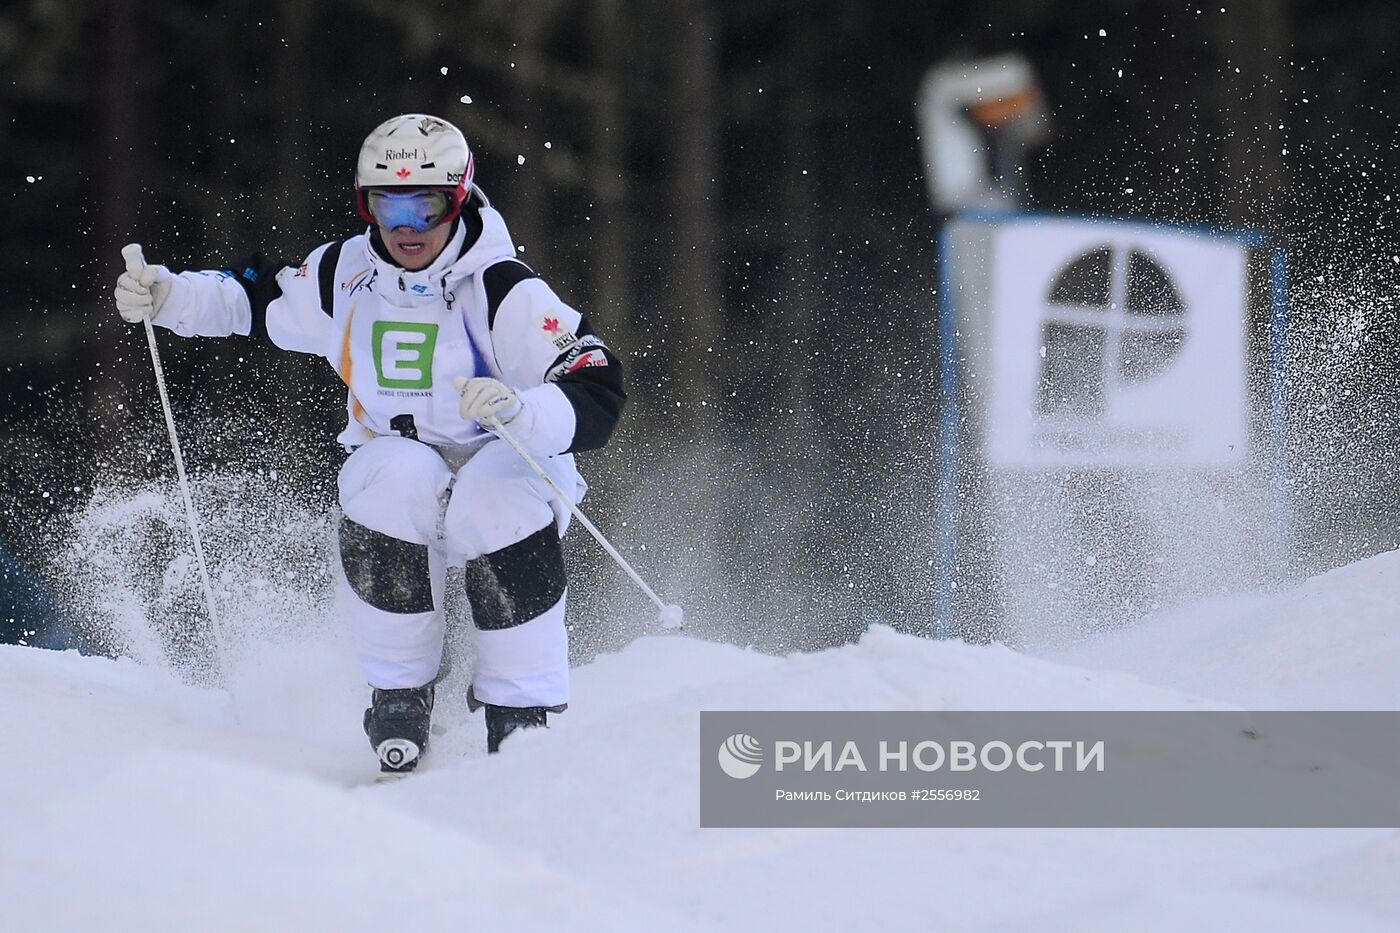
x: 414, y: 150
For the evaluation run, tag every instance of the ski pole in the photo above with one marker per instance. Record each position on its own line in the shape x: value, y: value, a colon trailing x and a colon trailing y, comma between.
x: 134, y: 264
x: 672, y: 615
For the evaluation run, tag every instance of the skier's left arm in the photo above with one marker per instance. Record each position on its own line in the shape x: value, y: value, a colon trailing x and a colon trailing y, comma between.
x: 569, y: 382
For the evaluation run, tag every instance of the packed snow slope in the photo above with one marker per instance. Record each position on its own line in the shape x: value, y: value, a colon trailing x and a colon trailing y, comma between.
x: 133, y: 802
x: 1331, y: 643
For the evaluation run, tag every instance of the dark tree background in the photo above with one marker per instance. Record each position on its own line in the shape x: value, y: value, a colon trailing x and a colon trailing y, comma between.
x: 733, y: 191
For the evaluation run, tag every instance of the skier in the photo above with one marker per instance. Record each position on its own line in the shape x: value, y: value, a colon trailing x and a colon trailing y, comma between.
x: 442, y: 337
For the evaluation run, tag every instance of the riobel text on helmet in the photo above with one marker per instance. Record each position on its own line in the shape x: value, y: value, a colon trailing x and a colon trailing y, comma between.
x: 400, y: 154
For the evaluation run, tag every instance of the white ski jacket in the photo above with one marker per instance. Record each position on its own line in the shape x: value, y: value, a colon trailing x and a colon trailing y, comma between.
x: 397, y: 338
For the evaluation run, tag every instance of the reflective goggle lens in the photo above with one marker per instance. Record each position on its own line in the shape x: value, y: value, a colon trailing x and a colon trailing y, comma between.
x: 419, y: 210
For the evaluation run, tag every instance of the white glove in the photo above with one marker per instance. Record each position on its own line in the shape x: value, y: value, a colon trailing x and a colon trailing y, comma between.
x: 487, y: 400
x: 141, y: 289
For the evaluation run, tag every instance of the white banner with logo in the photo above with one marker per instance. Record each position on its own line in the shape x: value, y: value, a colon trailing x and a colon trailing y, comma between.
x: 1114, y: 346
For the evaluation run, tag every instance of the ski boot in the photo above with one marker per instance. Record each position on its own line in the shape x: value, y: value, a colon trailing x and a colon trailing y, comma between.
x: 501, y: 721
x: 397, y: 725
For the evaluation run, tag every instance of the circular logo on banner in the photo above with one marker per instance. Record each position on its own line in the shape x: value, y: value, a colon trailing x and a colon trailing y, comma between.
x: 741, y: 756
x: 1111, y: 320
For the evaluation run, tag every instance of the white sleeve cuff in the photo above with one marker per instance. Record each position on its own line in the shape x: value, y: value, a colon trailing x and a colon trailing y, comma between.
x: 206, y: 304
x: 546, y: 423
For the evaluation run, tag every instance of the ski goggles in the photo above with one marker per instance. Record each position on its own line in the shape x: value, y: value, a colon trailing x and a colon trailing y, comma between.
x: 420, y: 210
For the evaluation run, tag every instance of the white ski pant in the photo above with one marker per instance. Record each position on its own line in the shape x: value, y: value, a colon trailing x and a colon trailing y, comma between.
x: 403, y: 488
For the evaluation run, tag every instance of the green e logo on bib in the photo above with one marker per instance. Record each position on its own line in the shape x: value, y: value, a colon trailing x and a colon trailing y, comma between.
x: 403, y: 354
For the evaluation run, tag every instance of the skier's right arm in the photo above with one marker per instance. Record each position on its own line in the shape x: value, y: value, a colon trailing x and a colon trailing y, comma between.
x: 207, y: 304
x: 256, y: 297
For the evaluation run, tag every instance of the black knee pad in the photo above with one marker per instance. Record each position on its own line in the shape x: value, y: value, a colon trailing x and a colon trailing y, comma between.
x: 518, y: 582
x: 384, y: 571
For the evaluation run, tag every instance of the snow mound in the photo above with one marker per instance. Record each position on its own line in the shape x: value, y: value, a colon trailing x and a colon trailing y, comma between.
x: 1330, y: 643
x: 143, y: 803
